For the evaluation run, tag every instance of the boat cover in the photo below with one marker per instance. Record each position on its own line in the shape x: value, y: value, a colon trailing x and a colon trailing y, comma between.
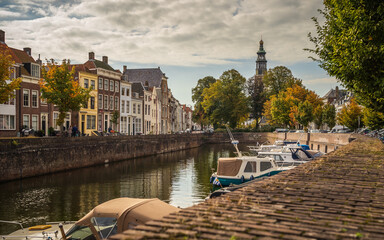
x: 228, y: 166
x: 129, y: 211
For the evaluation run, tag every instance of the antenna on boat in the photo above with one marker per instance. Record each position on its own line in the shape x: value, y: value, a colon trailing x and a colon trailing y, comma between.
x: 233, y: 141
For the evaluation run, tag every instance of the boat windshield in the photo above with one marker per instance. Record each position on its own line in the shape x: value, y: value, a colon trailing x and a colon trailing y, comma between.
x: 105, y: 226
x: 78, y: 232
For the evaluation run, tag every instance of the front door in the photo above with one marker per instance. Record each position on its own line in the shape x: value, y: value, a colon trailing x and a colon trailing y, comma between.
x: 44, y: 123
x: 82, y: 123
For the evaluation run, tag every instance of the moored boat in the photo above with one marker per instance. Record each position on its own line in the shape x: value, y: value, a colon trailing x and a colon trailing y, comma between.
x: 105, y: 220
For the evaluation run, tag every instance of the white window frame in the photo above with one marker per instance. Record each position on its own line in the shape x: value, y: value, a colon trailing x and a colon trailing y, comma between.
x: 93, y: 84
x: 101, y: 83
x: 86, y: 83
x: 117, y: 86
x: 122, y: 106
x: 111, y: 102
x: 35, y: 70
x: 106, y: 102
x: 106, y: 84
x: 7, y: 119
x: 29, y: 120
x: 37, y: 98
x: 100, y: 101
x: 37, y: 122
x: 111, y: 85
x: 29, y: 100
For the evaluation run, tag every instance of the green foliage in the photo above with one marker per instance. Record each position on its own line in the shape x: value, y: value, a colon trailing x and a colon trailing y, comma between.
x: 318, y: 116
x: 225, y: 101
x: 372, y: 119
x: 59, y: 87
x: 115, y: 117
x: 7, y: 88
x: 305, y: 113
x: 349, y: 115
x: 255, y: 88
x: 280, y: 110
x: 350, y: 47
x: 278, y: 79
x: 199, y: 114
x: 329, y: 115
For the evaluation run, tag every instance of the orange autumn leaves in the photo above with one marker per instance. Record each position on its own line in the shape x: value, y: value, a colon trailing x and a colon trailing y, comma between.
x: 7, y: 85
x: 59, y: 87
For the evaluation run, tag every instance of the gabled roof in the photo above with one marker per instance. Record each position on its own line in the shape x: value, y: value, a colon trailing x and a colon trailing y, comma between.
x: 151, y: 75
x: 93, y: 63
x: 138, y: 87
x: 22, y: 57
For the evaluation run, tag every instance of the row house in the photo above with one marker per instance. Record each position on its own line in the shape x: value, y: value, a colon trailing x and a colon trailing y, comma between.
x: 108, y: 90
x: 26, y: 109
x: 153, y: 81
x: 125, y: 108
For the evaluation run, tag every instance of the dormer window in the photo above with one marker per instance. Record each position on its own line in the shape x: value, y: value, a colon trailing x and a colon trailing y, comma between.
x: 35, y: 70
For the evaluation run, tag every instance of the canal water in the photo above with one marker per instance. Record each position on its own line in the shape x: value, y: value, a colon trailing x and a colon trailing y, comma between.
x: 179, y: 178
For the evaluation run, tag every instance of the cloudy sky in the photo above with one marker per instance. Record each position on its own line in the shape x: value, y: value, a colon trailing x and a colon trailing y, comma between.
x: 188, y: 39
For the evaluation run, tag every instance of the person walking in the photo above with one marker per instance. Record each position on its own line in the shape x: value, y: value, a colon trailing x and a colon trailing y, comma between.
x: 70, y: 131
x: 74, y: 130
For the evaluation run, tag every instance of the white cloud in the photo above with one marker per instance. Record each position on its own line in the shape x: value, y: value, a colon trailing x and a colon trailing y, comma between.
x: 328, y: 80
x: 166, y: 32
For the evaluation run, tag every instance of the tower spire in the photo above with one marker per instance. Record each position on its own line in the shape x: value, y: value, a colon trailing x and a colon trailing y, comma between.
x: 261, y: 62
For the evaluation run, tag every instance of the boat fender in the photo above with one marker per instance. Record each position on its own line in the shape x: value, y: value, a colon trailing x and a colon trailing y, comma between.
x: 252, y: 177
x: 211, y: 179
x: 242, y: 179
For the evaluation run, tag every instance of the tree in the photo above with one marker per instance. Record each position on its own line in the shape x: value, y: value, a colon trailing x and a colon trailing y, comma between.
x: 199, y: 114
x: 115, y: 117
x: 7, y: 85
x: 59, y: 87
x: 372, y: 119
x: 255, y: 88
x: 225, y: 100
x: 350, y: 115
x: 329, y: 115
x: 305, y: 114
x: 350, y: 47
x: 279, y: 79
x: 318, y: 116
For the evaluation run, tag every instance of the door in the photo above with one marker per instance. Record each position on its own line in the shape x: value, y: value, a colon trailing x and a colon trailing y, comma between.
x: 82, y: 123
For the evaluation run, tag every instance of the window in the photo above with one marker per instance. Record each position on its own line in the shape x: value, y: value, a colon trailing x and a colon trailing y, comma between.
x: 35, y: 122
x: 145, y: 109
x: 138, y: 108
x: 43, y: 101
x: 92, y: 102
x: 26, y: 97
x: 105, y: 102
x: 128, y: 103
x: 7, y: 122
x: 122, y: 91
x: 138, y: 125
x: 128, y: 92
x: 111, y: 85
x: 116, y: 103
x: 93, y: 84
x: 110, y: 102
x: 265, y: 166
x: 55, y: 117
x: 122, y: 106
x: 106, y: 84
x: 85, y: 105
x: 34, y: 98
x: 116, y: 86
x: 134, y: 108
x: 12, y: 71
x: 250, y: 167
x: 91, y: 122
x: 100, y: 83
x: 86, y: 83
x: 123, y: 124
x: 35, y: 70
x: 99, y: 122
x: 26, y: 120
x: 149, y: 109
x: 100, y: 103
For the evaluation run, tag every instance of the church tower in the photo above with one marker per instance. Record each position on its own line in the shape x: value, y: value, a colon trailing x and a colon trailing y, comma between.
x: 261, y: 62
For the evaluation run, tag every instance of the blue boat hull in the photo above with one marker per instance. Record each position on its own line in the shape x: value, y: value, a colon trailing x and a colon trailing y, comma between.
x: 227, y: 181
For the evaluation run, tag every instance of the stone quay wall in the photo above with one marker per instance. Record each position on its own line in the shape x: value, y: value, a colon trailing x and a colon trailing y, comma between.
x: 27, y: 157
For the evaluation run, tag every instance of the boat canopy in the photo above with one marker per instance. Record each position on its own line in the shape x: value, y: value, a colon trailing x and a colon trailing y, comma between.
x: 228, y: 166
x: 128, y: 212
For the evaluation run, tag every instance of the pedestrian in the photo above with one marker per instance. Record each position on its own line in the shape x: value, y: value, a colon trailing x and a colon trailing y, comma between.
x: 70, y: 131
x: 74, y: 130
x: 109, y: 129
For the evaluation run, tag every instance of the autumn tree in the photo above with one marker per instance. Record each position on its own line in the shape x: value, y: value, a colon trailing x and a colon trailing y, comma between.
x: 225, y: 100
x: 59, y: 87
x: 350, y: 115
x: 199, y: 115
x: 305, y: 114
x: 7, y: 85
x: 372, y: 119
x: 350, y: 46
x: 279, y: 79
x: 255, y: 88
x: 329, y: 115
x: 318, y: 116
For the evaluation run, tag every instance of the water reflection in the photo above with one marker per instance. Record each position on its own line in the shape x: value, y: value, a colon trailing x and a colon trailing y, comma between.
x: 179, y: 178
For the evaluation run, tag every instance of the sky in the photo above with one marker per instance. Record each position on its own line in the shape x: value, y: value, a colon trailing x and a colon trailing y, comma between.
x: 187, y: 39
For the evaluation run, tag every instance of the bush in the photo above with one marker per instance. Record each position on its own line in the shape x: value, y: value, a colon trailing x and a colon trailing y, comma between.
x: 39, y: 133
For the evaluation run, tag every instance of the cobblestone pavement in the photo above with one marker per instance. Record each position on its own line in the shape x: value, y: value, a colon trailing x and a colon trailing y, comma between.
x: 339, y: 196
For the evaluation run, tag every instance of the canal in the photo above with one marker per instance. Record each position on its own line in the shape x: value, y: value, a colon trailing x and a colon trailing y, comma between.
x: 179, y: 178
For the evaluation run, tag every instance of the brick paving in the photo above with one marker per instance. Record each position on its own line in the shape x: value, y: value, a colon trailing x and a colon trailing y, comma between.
x: 339, y: 196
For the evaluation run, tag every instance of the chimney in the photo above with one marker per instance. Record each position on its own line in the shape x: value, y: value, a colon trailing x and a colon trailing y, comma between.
x: 2, y: 36
x: 124, y: 68
x: 28, y: 51
x: 38, y: 61
x: 91, y: 55
x: 105, y: 59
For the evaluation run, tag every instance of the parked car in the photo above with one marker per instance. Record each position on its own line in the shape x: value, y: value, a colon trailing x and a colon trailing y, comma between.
x: 280, y: 130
